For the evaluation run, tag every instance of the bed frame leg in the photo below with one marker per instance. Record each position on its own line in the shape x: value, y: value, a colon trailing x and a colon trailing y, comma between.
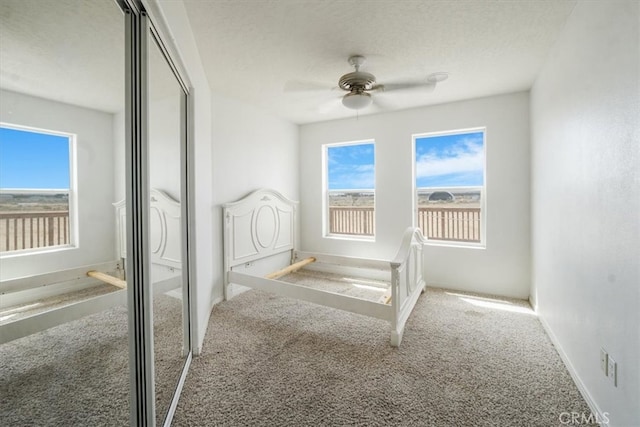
x: 396, y: 338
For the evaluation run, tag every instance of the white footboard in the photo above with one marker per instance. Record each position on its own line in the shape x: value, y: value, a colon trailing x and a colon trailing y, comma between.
x: 407, y: 281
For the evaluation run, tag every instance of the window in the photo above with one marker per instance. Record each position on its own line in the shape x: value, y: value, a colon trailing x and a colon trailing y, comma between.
x: 450, y: 186
x: 349, y: 189
x: 35, y: 189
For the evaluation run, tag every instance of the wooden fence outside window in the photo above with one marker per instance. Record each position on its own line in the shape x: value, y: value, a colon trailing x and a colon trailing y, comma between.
x: 30, y: 230
x: 450, y: 224
x: 352, y: 220
x: 456, y: 224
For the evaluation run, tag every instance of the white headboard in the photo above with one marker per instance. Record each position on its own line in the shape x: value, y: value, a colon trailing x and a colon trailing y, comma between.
x: 258, y: 226
x: 165, y: 228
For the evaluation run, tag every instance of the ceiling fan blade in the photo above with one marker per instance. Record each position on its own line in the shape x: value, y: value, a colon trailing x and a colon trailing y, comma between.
x: 428, y: 87
x: 304, y: 86
x: 328, y: 106
x: 382, y: 103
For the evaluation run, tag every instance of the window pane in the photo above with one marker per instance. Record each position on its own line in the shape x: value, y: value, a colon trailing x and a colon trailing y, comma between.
x: 351, y: 166
x: 34, y: 189
x: 450, y: 186
x: 33, y: 159
x: 350, y: 189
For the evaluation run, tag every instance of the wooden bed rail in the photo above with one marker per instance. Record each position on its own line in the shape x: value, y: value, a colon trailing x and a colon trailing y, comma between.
x: 107, y: 279
x: 290, y: 269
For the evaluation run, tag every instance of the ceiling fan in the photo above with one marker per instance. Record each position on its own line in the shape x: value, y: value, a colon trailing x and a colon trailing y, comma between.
x: 359, y: 84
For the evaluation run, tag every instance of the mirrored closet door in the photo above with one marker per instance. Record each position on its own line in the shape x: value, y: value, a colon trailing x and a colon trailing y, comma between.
x: 166, y: 135
x: 94, y: 83
x: 65, y: 348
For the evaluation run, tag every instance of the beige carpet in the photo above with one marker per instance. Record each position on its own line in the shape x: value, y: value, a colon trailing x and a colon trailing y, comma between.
x: 272, y: 361
x: 77, y: 374
x: 464, y: 361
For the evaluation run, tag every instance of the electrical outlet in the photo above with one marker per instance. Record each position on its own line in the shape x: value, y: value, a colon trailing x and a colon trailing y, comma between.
x: 604, y: 361
x: 612, y: 371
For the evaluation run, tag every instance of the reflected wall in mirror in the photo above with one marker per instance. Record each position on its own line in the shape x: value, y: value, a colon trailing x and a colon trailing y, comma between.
x: 62, y: 71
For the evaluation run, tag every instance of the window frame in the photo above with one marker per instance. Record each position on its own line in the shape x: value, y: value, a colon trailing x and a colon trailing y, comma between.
x: 73, y: 242
x: 482, y: 244
x: 326, y: 232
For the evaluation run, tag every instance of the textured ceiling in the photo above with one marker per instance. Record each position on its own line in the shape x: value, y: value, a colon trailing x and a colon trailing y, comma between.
x: 252, y: 50
x: 65, y: 50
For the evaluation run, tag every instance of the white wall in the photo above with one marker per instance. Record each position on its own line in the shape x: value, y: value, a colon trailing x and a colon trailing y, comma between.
x: 175, y: 16
x: 502, y: 268
x: 237, y: 150
x: 252, y: 149
x: 96, y: 229
x: 585, y: 124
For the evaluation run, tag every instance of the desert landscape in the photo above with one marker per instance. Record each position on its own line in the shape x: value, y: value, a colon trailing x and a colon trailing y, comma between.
x: 33, y: 202
x: 461, y: 197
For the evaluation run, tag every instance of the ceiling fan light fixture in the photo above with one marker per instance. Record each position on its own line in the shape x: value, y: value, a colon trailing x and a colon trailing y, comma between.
x: 357, y: 100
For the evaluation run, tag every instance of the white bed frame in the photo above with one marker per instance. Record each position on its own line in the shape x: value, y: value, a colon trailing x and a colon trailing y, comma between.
x: 165, y: 273
x: 260, y: 234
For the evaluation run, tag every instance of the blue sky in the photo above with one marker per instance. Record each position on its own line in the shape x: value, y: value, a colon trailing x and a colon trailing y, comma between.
x: 450, y: 160
x: 351, y: 167
x: 33, y: 160
x: 441, y: 161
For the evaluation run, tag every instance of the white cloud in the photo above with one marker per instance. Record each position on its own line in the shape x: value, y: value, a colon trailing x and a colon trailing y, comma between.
x: 466, y: 156
x: 351, y: 166
x: 361, y: 177
x: 363, y: 169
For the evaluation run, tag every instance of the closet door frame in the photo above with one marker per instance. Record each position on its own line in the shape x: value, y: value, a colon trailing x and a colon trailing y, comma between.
x: 154, y: 36
x: 138, y: 28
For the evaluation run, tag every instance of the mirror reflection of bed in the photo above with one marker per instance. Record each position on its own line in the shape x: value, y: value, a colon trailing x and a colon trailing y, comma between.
x: 59, y: 329
x: 80, y: 315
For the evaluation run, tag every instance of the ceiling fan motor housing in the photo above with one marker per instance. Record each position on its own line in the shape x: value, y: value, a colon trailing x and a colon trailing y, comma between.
x: 357, y: 81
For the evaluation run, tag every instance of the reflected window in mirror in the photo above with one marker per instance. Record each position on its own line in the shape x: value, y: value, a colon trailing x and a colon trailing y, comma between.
x: 36, y: 189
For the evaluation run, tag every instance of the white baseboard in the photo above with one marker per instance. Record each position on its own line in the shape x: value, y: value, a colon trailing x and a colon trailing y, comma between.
x: 197, y: 350
x: 595, y: 409
x: 46, y: 291
x: 488, y: 293
x: 234, y: 290
x: 215, y: 302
